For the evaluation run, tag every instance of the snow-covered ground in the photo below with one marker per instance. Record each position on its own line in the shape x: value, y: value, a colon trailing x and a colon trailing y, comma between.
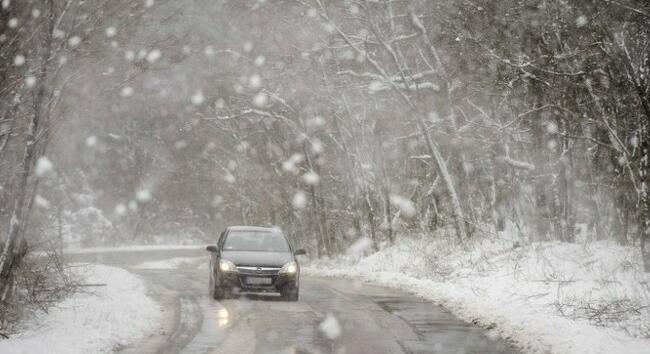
x: 136, y: 248
x: 98, y: 320
x: 546, y: 297
x: 176, y: 263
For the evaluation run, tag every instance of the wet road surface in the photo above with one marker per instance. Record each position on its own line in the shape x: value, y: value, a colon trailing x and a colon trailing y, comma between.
x: 372, y: 319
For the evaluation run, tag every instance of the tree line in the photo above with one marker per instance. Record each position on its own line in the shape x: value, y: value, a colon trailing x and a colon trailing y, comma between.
x: 427, y: 115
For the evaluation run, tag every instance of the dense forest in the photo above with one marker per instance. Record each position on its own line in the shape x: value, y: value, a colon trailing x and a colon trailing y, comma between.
x: 331, y: 119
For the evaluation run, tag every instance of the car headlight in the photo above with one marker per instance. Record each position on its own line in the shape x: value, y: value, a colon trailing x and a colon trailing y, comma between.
x: 289, y: 268
x: 227, y: 266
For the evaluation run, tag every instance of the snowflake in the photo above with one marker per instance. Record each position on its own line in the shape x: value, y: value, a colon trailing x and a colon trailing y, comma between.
x: 110, y: 32
x: 153, y: 56
x: 43, y: 166
x: 127, y: 91
x: 197, y: 98
x: 19, y: 60
x: 299, y: 200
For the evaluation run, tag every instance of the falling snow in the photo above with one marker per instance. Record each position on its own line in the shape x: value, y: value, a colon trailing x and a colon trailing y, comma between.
x: 153, y: 55
x: 299, y: 200
x: 330, y: 327
x: 311, y: 178
x: 491, y: 158
x: 74, y: 41
x: 110, y: 32
x: 198, y: 98
x: 127, y: 91
x: 43, y: 166
x: 19, y: 60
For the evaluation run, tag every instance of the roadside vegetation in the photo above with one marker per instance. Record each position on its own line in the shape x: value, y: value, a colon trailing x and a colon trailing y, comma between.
x: 38, y: 41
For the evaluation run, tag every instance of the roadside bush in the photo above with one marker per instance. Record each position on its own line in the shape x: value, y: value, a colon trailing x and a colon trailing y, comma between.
x: 37, y: 282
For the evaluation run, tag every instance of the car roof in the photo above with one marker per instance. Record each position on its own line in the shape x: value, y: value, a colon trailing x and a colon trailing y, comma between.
x: 252, y: 228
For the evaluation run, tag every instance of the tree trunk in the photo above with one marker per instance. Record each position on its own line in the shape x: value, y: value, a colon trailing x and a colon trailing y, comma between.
x: 370, y: 213
x: 645, y: 201
x: 10, y: 258
x: 356, y: 201
x: 322, y: 215
x: 441, y: 169
x: 441, y: 164
x: 317, y: 214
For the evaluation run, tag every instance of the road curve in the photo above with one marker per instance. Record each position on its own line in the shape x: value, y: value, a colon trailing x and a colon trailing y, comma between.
x: 372, y: 319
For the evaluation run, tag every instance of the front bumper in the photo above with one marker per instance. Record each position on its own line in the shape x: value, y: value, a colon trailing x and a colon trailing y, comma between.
x: 239, y: 282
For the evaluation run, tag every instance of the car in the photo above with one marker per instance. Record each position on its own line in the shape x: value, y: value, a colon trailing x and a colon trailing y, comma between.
x: 251, y: 259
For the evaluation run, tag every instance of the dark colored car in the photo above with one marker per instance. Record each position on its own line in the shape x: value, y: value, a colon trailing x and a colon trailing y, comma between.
x: 249, y: 259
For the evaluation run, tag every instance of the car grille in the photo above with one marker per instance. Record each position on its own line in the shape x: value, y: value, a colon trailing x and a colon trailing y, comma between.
x: 246, y: 270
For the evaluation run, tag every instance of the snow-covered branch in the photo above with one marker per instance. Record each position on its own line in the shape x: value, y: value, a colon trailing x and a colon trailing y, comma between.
x: 516, y: 164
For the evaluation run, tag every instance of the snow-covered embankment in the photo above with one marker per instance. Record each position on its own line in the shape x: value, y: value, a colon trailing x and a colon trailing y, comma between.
x: 98, y: 320
x: 546, y: 297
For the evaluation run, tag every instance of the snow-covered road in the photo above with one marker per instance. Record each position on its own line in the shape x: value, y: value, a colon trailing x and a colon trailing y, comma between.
x: 332, y: 316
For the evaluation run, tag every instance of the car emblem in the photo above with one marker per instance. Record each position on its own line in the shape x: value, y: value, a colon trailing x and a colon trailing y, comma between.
x: 259, y: 269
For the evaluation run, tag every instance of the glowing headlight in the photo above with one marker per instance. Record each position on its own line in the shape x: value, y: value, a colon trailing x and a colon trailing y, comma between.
x: 289, y: 268
x: 227, y: 266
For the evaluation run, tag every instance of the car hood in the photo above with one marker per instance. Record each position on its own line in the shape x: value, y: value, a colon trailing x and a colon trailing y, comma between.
x: 261, y: 259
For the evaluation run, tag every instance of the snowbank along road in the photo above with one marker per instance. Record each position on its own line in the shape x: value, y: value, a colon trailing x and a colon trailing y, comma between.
x: 332, y: 316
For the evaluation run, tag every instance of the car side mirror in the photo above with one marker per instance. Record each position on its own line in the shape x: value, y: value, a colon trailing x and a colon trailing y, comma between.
x: 212, y: 248
x: 300, y: 252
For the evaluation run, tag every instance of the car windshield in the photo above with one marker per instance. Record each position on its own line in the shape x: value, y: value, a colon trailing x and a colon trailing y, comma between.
x: 257, y: 241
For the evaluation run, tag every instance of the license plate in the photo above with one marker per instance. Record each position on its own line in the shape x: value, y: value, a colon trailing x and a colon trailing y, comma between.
x: 258, y: 280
